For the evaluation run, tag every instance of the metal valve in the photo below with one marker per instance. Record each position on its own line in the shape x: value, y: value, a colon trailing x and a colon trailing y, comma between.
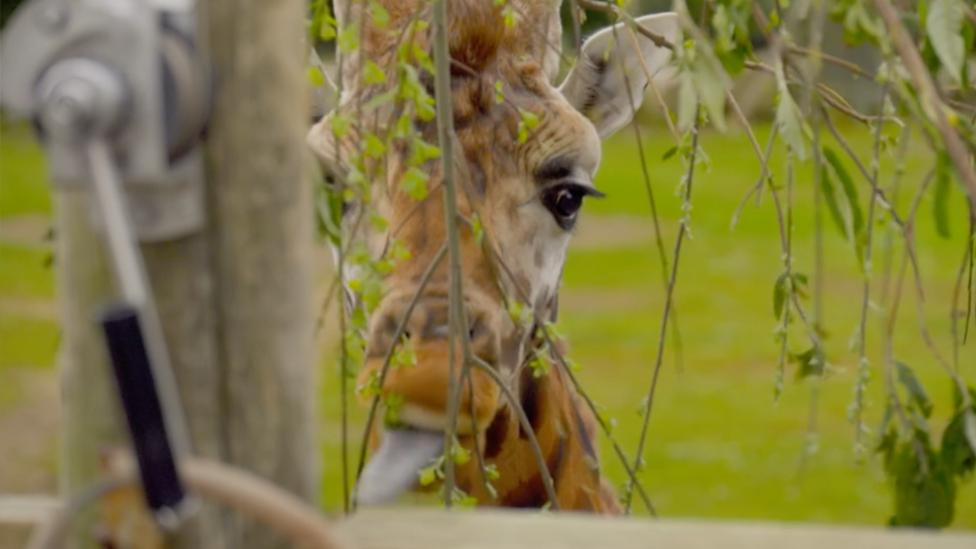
x: 119, y: 95
x: 127, y: 72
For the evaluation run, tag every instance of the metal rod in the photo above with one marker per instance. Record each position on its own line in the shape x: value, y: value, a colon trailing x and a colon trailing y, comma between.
x: 134, y: 284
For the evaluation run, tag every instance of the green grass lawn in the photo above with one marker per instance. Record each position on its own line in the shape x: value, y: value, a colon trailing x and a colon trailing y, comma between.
x: 28, y: 331
x: 719, y: 445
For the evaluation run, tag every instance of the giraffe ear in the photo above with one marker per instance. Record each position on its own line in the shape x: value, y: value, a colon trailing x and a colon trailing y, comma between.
x: 607, y: 84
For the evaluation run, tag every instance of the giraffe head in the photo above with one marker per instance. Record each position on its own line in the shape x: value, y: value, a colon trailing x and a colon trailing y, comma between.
x: 525, y: 154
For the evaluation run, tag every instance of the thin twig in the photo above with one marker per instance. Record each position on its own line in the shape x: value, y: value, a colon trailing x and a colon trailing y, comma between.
x: 669, y: 299
x: 526, y: 428
x: 498, y: 260
x: 401, y: 326
x: 457, y: 322
x: 863, y: 366
x: 931, y: 99
x: 610, y: 7
x: 761, y: 181
x: 816, y: 54
x: 849, y: 151
x: 954, y: 311
x: 658, y: 239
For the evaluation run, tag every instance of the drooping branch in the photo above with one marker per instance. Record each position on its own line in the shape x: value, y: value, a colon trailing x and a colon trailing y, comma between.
x: 931, y: 99
x: 457, y: 323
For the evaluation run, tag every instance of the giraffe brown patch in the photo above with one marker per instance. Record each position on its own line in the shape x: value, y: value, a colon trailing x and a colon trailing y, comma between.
x: 530, y: 401
x: 497, y: 433
x: 532, y: 492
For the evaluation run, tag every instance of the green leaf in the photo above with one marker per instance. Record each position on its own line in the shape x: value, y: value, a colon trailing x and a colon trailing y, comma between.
x: 403, y: 127
x: 459, y: 454
x: 477, y: 229
x: 327, y: 30
x: 373, y: 74
x: 427, y: 475
x: 340, y: 125
x: 404, y: 355
x: 887, y: 445
x: 687, y: 100
x: 943, y: 184
x: 730, y: 22
x: 830, y: 195
x: 399, y: 251
x: 394, y: 405
x: 491, y: 472
x: 374, y: 146
x: 944, y: 27
x: 916, y: 393
x: 924, y: 497
x: 425, y: 109
x: 780, y: 292
x: 528, y: 121
x: 379, y: 14
x: 520, y: 313
x: 850, y: 191
x: 349, y: 39
x: 414, y: 183
x: 377, y: 221
x: 958, y: 453
x: 380, y: 99
x: 329, y: 214
x: 315, y: 76
x: 811, y: 362
x: 538, y: 365
x: 711, y: 84
x: 322, y: 24
x: 509, y: 16
x: 422, y: 151
x: 858, y: 24
x: 789, y: 121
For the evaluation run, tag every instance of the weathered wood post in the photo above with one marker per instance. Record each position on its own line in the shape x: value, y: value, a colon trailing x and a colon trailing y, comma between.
x: 234, y: 300
x: 261, y: 237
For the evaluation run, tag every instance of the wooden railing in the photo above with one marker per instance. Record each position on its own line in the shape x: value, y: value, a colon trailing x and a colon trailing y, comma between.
x: 418, y: 528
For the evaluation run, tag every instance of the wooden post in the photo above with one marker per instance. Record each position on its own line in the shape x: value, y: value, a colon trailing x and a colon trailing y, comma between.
x: 234, y: 300
x: 261, y: 208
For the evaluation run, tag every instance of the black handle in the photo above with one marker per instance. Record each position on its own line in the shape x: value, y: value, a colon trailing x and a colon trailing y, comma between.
x: 143, y: 410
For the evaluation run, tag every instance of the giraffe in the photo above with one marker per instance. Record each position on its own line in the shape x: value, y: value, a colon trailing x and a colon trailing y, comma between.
x: 526, y: 194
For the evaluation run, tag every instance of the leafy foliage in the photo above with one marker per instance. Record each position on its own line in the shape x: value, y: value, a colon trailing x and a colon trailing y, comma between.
x: 925, y: 478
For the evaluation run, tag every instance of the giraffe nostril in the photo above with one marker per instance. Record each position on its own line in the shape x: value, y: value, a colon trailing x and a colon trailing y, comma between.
x: 477, y: 328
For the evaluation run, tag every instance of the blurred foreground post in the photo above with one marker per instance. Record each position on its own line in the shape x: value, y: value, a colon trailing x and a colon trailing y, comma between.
x: 261, y: 237
x: 234, y: 300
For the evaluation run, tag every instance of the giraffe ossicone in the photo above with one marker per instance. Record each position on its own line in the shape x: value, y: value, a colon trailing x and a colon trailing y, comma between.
x: 526, y: 152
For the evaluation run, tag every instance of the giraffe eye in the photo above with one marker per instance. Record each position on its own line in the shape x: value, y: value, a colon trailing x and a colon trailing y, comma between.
x: 564, y: 201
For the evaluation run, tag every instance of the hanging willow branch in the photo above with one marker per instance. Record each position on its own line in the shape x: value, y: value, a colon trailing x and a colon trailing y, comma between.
x: 931, y: 99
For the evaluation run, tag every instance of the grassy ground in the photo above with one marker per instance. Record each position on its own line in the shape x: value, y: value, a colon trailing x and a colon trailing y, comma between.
x: 719, y: 445
x: 28, y: 324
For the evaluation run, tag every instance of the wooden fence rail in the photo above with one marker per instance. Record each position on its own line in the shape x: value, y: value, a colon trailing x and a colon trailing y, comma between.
x: 419, y: 528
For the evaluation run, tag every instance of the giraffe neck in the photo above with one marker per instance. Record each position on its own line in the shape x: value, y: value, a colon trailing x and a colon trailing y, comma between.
x: 565, y: 431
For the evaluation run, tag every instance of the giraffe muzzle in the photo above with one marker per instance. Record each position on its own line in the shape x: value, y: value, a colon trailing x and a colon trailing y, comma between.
x: 416, y: 393
x: 392, y: 470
